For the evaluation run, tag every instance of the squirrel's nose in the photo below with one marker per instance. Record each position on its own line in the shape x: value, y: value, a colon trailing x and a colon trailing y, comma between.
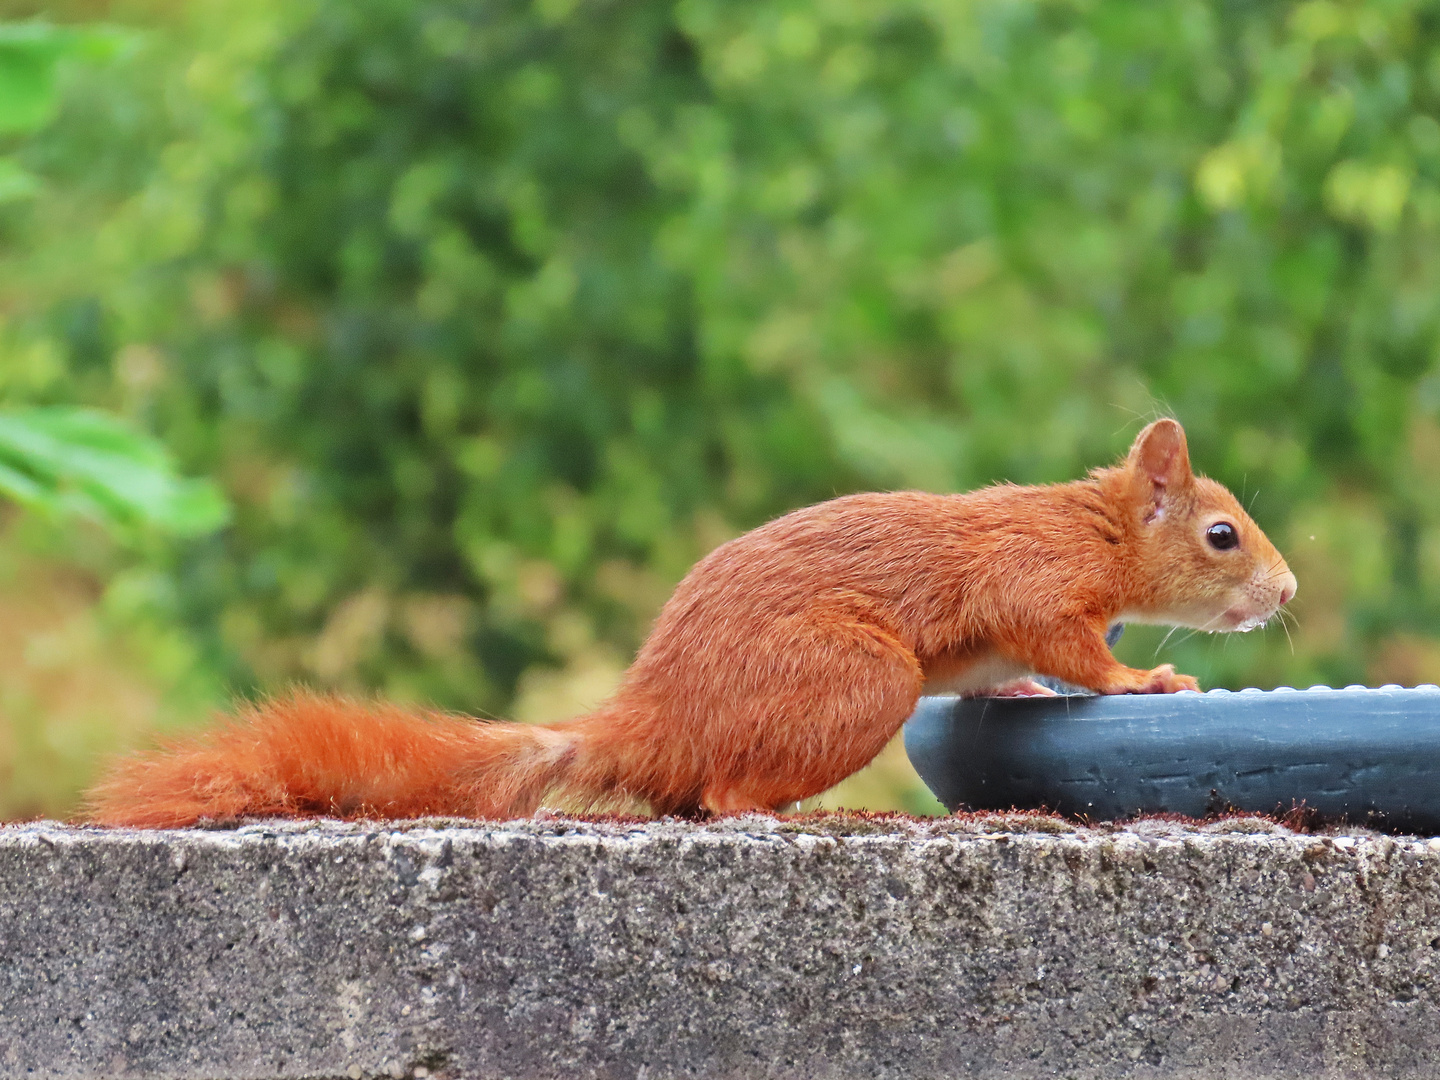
x: 1288, y: 586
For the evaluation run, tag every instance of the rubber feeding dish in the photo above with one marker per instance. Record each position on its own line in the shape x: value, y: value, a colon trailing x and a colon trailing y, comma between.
x: 1371, y: 756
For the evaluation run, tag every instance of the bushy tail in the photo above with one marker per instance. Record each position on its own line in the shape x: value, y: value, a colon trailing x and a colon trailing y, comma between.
x: 311, y: 755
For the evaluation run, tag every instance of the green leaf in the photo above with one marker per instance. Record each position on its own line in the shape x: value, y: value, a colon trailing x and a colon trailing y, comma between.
x: 90, y: 464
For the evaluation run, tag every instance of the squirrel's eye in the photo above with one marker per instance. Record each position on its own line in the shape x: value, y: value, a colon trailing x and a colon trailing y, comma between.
x: 1222, y: 536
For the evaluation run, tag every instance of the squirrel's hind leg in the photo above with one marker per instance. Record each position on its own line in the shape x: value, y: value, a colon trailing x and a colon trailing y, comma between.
x: 844, y: 687
x: 725, y: 799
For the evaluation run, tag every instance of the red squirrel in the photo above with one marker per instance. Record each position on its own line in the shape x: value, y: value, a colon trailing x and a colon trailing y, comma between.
x: 785, y: 660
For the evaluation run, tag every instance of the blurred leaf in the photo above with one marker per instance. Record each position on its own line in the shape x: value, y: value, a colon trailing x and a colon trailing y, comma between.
x: 83, y: 462
x: 29, y: 55
x: 16, y: 182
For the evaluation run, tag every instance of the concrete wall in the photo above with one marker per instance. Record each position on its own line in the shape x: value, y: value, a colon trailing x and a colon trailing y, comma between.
x: 749, y: 948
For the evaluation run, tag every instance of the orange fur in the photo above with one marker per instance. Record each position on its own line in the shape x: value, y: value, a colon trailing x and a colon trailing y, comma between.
x: 785, y: 660
x: 307, y: 755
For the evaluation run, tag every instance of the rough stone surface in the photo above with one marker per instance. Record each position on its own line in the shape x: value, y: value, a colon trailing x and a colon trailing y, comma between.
x: 754, y: 947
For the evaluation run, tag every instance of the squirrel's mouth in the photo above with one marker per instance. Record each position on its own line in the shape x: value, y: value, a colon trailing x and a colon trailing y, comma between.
x: 1259, y: 602
x: 1244, y: 626
x: 1241, y: 620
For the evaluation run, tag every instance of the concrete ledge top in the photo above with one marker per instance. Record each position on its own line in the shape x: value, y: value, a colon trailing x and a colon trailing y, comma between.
x: 885, y: 828
x: 1006, y: 945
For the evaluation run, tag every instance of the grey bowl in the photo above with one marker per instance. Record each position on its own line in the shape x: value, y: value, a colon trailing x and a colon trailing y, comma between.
x: 1367, y: 755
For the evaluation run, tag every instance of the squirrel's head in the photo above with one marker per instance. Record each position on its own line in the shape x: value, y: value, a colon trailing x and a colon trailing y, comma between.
x: 1206, y: 564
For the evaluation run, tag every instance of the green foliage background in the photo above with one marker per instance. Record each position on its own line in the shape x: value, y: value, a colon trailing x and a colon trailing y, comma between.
x: 492, y: 316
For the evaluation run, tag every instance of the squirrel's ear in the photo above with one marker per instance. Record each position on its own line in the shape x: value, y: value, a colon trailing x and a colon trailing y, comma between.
x: 1159, y: 459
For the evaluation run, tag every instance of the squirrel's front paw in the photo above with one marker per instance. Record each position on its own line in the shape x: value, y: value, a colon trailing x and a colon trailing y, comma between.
x: 1165, y: 680
x: 1160, y: 680
x: 1021, y: 688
